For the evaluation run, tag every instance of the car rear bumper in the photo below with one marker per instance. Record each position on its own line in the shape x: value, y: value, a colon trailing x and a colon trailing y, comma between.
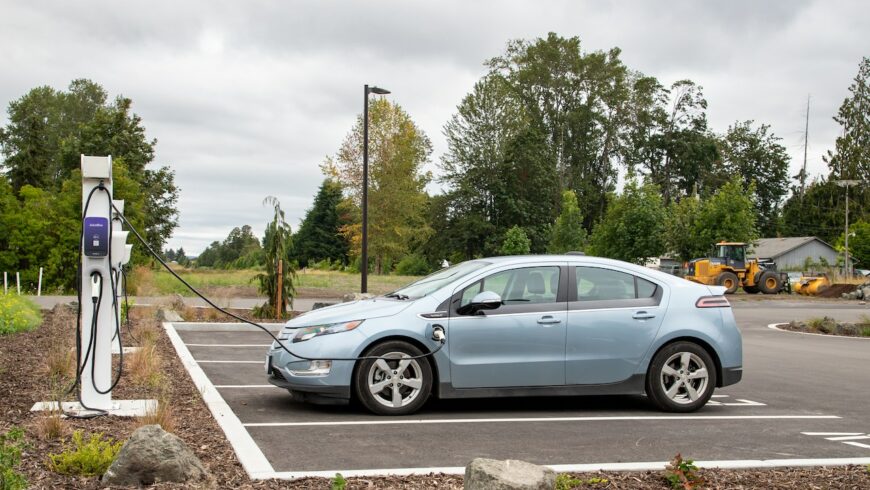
x: 731, y: 376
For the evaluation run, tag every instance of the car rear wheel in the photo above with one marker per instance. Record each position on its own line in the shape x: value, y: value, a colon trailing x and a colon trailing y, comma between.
x: 681, y: 378
x: 395, y: 385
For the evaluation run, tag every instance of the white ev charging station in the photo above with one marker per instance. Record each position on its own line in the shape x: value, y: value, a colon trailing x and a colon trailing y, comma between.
x: 104, y: 252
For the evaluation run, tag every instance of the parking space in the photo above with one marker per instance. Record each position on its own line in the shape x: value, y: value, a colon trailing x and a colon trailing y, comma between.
x: 796, y: 390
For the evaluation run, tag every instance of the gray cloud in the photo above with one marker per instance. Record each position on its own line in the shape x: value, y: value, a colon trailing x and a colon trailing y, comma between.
x: 247, y: 98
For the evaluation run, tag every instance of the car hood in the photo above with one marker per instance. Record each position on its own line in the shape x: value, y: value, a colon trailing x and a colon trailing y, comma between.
x: 354, y: 310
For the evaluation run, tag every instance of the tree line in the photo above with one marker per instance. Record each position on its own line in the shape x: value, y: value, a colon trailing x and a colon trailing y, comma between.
x: 533, y: 163
x: 554, y: 149
x: 40, y: 187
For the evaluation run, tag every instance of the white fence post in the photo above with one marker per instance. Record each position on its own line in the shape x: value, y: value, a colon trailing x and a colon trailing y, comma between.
x: 18, y: 282
x: 5, y: 284
x: 39, y: 284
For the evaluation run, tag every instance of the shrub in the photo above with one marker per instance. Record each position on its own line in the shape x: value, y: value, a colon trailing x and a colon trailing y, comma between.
x: 516, y: 242
x: 413, y: 265
x: 87, y: 458
x: 11, y: 447
x: 18, y: 314
x: 60, y: 362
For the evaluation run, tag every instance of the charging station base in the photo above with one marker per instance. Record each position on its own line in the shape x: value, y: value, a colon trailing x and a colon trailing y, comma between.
x: 120, y: 408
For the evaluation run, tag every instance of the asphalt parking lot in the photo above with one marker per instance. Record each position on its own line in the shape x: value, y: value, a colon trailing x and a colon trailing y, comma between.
x: 802, y: 397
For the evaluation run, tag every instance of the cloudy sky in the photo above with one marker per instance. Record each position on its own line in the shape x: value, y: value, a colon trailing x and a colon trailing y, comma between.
x: 246, y: 98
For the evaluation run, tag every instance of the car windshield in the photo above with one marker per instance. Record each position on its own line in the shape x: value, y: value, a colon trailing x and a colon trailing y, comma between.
x: 434, y: 282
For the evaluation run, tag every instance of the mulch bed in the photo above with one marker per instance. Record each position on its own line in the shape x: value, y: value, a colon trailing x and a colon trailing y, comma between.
x: 23, y: 382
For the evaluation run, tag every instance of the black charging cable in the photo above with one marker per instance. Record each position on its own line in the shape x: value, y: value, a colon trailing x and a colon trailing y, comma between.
x: 438, y: 331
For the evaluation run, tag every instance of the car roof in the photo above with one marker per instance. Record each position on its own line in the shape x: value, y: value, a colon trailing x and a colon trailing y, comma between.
x: 582, y: 260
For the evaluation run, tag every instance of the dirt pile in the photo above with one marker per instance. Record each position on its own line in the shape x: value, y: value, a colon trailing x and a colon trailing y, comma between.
x: 837, y: 290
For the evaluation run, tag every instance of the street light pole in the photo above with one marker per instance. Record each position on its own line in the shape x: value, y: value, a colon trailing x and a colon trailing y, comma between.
x: 364, y: 263
x: 846, y: 183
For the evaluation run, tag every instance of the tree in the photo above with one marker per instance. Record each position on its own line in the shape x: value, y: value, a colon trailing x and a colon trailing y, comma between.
x: 515, y: 242
x: 756, y: 155
x: 398, y: 150
x: 633, y: 228
x: 240, y: 249
x: 48, y: 130
x: 729, y: 215
x: 277, y: 245
x: 821, y: 210
x: 851, y: 156
x: 682, y: 230
x: 667, y: 138
x: 859, y: 242
x: 319, y: 236
x: 568, y: 233
x: 575, y: 99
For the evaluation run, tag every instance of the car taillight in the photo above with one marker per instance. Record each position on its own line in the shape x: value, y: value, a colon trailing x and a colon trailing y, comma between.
x: 712, y: 302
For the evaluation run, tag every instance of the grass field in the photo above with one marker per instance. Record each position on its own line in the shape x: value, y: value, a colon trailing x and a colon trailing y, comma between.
x: 240, y: 283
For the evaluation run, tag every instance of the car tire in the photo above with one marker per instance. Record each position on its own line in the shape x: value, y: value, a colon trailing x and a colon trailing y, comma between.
x: 751, y: 289
x: 675, y: 381
x: 728, y: 280
x: 769, y: 283
x: 376, y: 382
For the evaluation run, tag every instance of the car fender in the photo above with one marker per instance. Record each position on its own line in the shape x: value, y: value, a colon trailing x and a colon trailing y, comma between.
x: 420, y: 333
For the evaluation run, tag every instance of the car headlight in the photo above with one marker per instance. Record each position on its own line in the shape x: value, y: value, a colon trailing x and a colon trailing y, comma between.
x: 308, y: 333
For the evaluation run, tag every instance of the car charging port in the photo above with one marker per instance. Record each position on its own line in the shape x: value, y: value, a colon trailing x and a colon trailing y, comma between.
x: 438, y: 333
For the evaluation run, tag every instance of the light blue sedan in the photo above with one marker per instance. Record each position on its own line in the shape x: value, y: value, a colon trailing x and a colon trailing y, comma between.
x: 516, y: 326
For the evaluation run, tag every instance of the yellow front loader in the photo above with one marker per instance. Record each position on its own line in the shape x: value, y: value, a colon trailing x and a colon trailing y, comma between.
x: 730, y: 268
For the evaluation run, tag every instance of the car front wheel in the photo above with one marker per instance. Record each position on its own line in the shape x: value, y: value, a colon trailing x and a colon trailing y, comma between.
x: 397, y: 384
x: 681, y: 378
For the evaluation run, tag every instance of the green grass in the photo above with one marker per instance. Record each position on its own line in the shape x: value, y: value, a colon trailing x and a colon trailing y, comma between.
x: 18, y: 314
x: 311, y: 282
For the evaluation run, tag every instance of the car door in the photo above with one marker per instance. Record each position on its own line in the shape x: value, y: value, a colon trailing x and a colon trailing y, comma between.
x: 521, y: 343
x: 613, y: 318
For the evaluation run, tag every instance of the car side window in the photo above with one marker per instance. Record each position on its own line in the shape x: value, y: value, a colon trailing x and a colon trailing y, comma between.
x: 645, y: 289
x: 594, y: 284
x: 528, y: 285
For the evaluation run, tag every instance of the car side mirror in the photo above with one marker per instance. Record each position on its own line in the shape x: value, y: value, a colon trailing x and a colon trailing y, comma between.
x: 486, y: 300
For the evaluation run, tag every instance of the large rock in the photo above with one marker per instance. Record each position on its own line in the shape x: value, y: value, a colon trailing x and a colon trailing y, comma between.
x: 512, y: 474
x: 356, y: 297
x: 152, y: 455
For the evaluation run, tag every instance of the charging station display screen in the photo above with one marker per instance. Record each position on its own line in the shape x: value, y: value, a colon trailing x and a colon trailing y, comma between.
x: 96, y: 237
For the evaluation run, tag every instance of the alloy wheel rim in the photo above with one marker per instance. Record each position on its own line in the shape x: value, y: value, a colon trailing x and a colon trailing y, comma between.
x: 684, y: 378
x: 396, y: 381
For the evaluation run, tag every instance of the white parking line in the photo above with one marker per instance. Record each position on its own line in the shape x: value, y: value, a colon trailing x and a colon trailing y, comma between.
x: 245, y: 386
x: 247, y: 451
x: 844, y: 437
x: 228, y: 345
x: 832, y: 433
x: 865, y: 446
x: 228, y: 362
x: 539, y: 419
x: 848, y: 438
x: 576, y: 468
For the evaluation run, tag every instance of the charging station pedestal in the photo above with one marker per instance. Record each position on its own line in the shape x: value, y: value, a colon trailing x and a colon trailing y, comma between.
x: 102, y: 239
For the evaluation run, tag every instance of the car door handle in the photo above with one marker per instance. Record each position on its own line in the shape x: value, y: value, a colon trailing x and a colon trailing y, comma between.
x: 548, y: 320
x: 642, y: 315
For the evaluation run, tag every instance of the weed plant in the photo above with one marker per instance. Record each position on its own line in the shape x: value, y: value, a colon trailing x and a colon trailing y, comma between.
x: 18, y: 314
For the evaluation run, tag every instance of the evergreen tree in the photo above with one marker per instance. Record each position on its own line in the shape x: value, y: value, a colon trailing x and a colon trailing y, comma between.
x: 319, y: 236
x: 851, y: 156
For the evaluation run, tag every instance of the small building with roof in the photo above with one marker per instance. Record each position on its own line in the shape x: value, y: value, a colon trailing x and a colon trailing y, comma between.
x: 793, y: 252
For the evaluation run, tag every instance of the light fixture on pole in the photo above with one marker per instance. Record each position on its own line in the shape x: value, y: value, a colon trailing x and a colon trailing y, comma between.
x: 364, y: 262
x: 846, y: 263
